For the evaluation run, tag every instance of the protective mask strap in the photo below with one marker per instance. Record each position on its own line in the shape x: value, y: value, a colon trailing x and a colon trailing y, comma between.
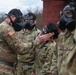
x: 10, y: 18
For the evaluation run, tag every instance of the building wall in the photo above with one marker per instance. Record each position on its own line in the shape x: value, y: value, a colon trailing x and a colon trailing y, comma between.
x: 51, y: 11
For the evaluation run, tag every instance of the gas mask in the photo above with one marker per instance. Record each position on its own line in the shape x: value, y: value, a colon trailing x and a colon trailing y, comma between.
x: 29, y: 22
x: 18, y: 24
x: 29, y: 25
x: 67, y: 19
x: 21, y: 23
x: 49, y: 28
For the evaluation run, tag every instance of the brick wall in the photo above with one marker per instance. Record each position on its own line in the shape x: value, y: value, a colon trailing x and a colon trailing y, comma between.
x: 51, y: 11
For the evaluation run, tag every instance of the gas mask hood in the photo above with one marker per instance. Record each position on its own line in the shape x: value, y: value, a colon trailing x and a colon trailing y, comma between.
x: 67, y: 19
x: 18, y: 22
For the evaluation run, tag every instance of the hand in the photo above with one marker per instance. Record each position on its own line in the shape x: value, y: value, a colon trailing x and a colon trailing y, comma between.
x: 43, y: 38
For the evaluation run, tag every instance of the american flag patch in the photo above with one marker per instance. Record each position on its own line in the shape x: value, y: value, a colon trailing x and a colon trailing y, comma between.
x: 11, y: 33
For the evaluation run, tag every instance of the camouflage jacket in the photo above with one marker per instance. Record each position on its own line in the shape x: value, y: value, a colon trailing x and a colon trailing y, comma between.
x: 28, y: 36
x: 66, y: 47
x: 10, y: 45
x: 46, y: 58
x: 71, y: 58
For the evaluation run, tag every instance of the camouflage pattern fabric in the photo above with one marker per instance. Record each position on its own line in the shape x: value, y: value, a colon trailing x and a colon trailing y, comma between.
x: 66, y: 46
x: 6, y: 70
x: 71, y: 59
x: 12, y: 40
x: 46, y: 59
x: 26, y: 62
x: 10, y: 45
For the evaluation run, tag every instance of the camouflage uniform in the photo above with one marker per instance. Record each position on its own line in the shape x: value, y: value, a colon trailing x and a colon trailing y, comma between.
x: 71, y: 58
x: 66, y: 47
x: 9, y: 47
x: 46, y: 59
x: 26, y: 62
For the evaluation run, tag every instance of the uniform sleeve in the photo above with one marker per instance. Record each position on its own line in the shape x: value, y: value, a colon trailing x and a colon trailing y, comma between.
x: 36, y: 42
x: 71, y: 62
x: 71, y: 58
x: 9, y: 37
x: 54, y: 63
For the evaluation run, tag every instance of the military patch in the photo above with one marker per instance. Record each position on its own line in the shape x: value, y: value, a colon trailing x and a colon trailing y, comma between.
x: 11, y: 33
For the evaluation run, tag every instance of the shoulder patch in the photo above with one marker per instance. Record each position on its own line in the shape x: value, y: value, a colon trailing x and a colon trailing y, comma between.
x: 11, y: 33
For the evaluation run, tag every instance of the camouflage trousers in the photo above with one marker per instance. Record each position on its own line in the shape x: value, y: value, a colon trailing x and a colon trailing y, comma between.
x: 25, y: 69
x: 6, y: 70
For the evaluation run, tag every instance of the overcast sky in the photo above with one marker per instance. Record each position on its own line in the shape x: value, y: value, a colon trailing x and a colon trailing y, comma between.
x: 6, y: 5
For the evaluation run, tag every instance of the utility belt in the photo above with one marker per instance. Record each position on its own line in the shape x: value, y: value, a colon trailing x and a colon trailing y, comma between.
x: 26, y: 63
x: 6, y: 63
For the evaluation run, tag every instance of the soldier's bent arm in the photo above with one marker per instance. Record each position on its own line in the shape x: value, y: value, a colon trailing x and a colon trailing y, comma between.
x: 8, y: 36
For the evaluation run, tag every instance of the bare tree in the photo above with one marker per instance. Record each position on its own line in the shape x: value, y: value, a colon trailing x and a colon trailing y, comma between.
x: 37, y: 12
x: 2, y: 17
x: 39, y: 18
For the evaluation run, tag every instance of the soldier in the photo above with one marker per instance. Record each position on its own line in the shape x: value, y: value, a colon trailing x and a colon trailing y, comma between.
x: 66, y: 45
x: 46, y: 63
x: 26, y: 62
x: 10, y: 45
